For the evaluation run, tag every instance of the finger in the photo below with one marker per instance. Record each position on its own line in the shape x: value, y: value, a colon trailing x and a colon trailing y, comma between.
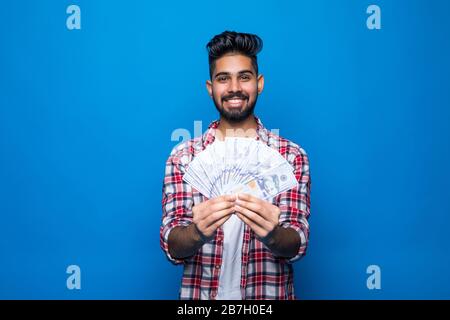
x: 218, y: 206
x: 229, y: 197
x: 212, y: 207
x: 213, y: 218
x: 220, y: 222
x: 210, y: 219
x: 248, y: 197
x: 209, y: 231
x: 255, y: 207
x: 260, y: 232
x: 253, y: 216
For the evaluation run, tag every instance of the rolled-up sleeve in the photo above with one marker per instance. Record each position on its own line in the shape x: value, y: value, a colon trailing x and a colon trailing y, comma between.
x: 176, y: 203
x: 294, y: 204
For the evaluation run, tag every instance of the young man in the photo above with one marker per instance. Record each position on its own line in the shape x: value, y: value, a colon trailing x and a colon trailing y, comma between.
x: 235, y: 246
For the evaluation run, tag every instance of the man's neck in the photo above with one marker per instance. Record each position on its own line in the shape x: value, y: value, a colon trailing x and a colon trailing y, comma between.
x: 246, y: 128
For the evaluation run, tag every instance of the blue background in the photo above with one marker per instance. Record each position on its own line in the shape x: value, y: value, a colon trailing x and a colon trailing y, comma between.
x: 86, y: 118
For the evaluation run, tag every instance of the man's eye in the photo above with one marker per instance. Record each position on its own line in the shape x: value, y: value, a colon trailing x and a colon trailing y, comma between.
x: 222, y: 78
x: 245, y: 77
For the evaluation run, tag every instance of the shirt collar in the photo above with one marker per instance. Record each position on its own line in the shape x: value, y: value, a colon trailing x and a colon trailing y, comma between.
x: 209, y: 135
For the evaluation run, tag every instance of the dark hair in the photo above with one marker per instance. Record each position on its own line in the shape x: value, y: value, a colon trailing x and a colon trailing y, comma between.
x: 233, y: 42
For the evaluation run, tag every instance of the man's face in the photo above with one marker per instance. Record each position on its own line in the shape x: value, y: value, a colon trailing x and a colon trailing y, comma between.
x: 234, y: 87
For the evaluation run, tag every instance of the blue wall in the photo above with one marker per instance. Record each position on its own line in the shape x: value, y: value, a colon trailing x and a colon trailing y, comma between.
x: 86, y: 118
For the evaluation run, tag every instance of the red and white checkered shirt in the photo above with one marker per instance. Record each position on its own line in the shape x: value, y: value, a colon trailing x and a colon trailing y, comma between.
x: 263, y: 275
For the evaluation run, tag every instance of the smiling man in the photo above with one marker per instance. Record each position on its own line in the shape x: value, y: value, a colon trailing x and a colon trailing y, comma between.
x: 235, y: 246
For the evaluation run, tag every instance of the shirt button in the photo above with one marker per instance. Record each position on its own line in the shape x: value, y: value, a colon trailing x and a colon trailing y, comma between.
x: 217, y: 266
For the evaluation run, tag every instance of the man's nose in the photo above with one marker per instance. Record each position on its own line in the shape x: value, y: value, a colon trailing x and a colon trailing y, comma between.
x: 235, y: 85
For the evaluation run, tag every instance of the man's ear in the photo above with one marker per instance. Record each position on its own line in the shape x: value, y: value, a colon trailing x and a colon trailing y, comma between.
x: 209, y: 87
x: 260, y: 83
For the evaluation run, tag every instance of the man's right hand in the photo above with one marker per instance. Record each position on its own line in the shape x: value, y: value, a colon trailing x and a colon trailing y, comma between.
x: 211, y: 214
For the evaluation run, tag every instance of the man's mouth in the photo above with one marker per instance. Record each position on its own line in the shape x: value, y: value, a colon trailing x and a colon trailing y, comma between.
x: 235, y: 102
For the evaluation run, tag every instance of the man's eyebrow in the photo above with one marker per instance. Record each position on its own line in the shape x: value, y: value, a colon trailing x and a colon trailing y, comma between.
x: 228, y: 73
x: 222, y: 74
x: 245, y: 71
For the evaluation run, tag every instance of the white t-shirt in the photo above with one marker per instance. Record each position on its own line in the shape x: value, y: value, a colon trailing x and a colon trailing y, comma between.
x: 230, y: 272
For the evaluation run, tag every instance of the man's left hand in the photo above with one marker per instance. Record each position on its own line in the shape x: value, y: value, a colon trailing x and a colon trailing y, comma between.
x: 260, y: 215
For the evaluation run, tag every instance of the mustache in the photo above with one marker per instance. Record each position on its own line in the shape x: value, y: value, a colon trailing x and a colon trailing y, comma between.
x: 238, y: 95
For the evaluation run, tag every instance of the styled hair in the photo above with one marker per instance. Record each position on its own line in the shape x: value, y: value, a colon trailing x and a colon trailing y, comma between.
x: 227, y: 42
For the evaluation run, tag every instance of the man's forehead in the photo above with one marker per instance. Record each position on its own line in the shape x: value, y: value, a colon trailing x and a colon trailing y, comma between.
x: 233, y: 63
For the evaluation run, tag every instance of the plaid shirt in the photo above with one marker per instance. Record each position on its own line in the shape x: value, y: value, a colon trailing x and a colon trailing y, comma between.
x: 263, y: 275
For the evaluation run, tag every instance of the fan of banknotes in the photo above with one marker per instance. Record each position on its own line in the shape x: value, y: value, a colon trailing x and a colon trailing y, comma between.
x: 240, y: 165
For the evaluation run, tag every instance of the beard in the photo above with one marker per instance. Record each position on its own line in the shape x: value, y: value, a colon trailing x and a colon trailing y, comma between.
x: 235, y: 115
